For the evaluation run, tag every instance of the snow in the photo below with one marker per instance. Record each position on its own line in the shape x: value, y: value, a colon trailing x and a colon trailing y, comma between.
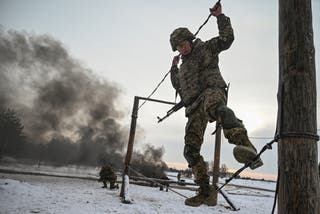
x: 126, y: 197
x: 21, y: 193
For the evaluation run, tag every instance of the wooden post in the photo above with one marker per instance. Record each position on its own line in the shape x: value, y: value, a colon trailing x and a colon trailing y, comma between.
x: 217, y: 149
x: 134, y: 117
x: 133, y: 125
x: 216, y: 162
x: 297, y: 113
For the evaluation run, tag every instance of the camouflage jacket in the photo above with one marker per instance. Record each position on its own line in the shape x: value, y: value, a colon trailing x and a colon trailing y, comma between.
x: 106, y: 172
x: 199, y: 69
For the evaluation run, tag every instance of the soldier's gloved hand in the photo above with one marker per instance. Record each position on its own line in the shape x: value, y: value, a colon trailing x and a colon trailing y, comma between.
x: 175, y: 60
x: 216, y: 10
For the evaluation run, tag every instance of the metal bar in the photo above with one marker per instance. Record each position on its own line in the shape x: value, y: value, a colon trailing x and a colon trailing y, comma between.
x: 155, y: 100
x: 133, y: 125
x: 138, y: 173
x: 163, y: 181
x: 225, y: 196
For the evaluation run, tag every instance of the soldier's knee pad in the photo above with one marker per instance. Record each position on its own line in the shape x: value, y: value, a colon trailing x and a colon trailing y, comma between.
x: 228, y: 118
x: 191, y: 154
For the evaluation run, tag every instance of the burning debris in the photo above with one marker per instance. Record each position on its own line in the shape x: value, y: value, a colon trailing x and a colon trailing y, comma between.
x: 69, y: 115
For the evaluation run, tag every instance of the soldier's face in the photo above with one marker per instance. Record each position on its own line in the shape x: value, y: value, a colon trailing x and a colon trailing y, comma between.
x: 184, y: 47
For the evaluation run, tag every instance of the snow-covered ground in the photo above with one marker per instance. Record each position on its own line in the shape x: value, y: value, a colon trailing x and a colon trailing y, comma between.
x: 44, y: 194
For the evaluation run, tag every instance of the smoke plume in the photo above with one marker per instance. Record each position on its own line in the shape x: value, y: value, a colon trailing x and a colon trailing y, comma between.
x: 149, y: 162
x: 69, y: 115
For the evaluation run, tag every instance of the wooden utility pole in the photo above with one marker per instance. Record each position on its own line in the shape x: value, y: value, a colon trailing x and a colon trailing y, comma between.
x: 297, y: 113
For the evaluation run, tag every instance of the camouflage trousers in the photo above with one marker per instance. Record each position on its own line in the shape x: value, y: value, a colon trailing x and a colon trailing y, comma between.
x: 110, y: 178
x: 207, y: 108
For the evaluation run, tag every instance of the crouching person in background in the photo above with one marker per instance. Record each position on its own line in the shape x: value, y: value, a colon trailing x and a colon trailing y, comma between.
x: 107, y: 175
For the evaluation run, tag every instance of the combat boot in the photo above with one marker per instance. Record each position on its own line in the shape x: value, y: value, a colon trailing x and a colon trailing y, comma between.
x: 104, y: 184
x: 211, y: 200
x: 206, y: 196
x: 196, y: 201
x: 113, y: 186
x: 244, y: 152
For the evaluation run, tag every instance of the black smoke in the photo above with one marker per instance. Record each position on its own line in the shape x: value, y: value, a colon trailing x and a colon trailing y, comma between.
x: 149, y: 162
x: 69, y: 114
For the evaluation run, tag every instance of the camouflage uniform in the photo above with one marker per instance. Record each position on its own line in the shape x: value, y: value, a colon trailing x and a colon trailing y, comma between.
x: 202, y: 90
x: 107, y: 175
x: 179, y: 176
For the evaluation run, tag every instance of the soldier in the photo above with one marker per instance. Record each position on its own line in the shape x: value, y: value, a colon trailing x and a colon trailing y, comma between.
x: 202, y: 90
x: 107, y: 175
x: 179, y: 176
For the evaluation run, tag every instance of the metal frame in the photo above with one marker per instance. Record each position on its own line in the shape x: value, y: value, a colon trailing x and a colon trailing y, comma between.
x: 133, y: 125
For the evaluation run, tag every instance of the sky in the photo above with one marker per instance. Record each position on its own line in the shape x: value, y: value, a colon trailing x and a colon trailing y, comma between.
x: 127, y: 43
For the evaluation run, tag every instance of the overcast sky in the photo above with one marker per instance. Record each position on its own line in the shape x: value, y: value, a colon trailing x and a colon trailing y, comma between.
x: 127, y: 42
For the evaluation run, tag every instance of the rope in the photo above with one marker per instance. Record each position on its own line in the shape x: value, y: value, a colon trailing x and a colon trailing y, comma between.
x: 156, y: 88
x: 290, y: 134
x: 261, y: 138
x: 176, y: 192
x: 138, y: 173
x: 205, y: 22
x: 267, y: 146
x: 300, y: 134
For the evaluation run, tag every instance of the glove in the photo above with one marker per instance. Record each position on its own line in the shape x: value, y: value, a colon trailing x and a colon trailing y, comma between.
x: 216, y: 10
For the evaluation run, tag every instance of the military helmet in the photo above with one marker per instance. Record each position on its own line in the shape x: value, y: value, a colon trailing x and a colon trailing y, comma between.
x: 179, y: 35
